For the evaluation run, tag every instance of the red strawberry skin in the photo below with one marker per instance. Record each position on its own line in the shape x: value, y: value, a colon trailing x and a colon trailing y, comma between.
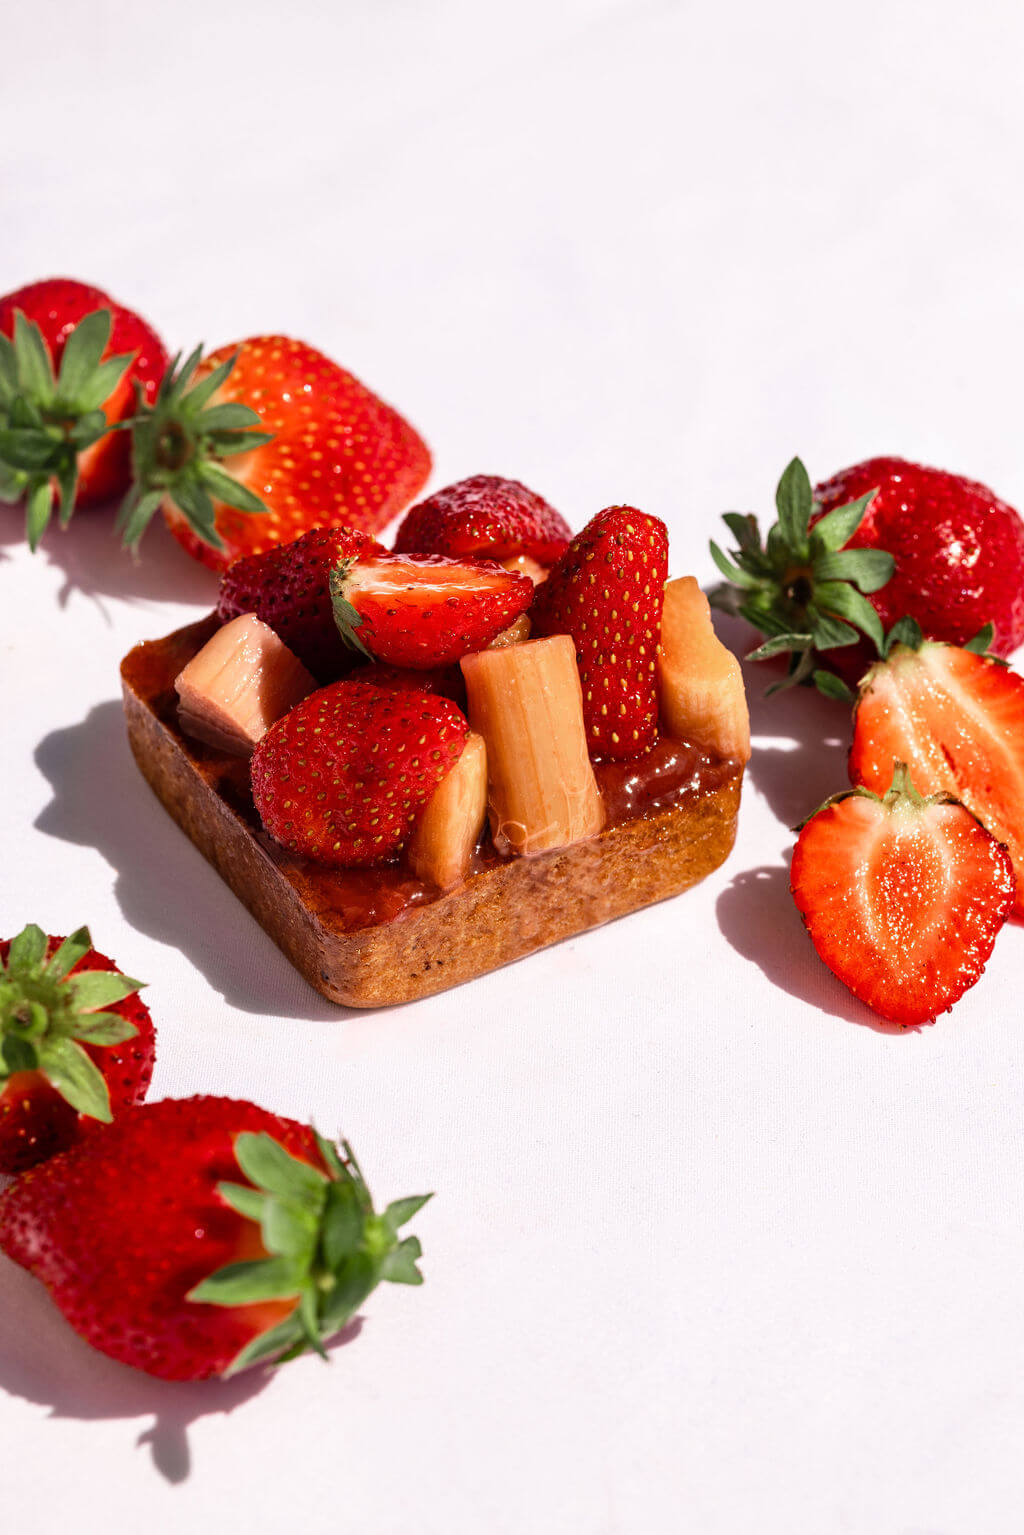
x: 122, y: 1226
x: 959, y: 549
x: 35, y: 1121
x: 428, y: 611
x: 902, y: 905
x: 57, y: 304
x: 485, y: 517
x: 958, y: 719
x: 342, y: 777
x: 340, y: 455
x: 606, y: 591
x: 286, y: 586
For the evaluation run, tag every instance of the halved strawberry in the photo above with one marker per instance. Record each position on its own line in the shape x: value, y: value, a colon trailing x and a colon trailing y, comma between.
x: 957, y: 718
x: 903, y: 896
x: 606, y: 591
x: 485, y: 517
x: 286, y: 587
x: 344, y: 775
x: 425, y: 611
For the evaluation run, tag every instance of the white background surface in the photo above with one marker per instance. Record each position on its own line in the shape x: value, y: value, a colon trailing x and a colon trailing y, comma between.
x: 710, y: 1252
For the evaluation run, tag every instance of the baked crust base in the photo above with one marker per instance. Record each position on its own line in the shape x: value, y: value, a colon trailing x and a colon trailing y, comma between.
x: 362, y: 957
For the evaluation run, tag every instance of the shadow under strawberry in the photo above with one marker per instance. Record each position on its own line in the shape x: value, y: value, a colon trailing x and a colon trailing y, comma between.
x: 757, y: 915
x: 163, y: 885
x: 45, y: 1362
x: 800, y: 738
x: 89, y: 554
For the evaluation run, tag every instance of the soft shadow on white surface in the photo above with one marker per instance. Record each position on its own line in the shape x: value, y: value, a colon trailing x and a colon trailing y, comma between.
x: 44, y: 1361
x: 757, y: 915
x: 163, y: 885
x: 89, y: 554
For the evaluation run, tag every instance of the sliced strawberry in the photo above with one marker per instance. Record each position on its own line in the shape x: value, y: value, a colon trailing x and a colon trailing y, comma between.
x: 286, y: 587
x: 486, y: 517
x: 343, y: 776
x: 957, y: 718
x: 902, y: 896
x: 606, y: 591
x: 426, y: 611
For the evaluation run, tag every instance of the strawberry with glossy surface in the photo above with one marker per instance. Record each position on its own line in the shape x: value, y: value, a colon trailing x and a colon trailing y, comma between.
x: 309, y: 446
x: 76, y: 1043
x: 199, y: 1236
x: 882, y: 541
x: 606, y: 592
x: 958, y: 549
x: 69, y: 368
x: 424, y: 611
x: 343, y: 776
x: 957, y: 717
x: 903, y: 896
x: 485, y: 517
x: 287, y: 588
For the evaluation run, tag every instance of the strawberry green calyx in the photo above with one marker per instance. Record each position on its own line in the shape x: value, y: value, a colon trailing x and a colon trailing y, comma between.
x: 900, y: 794
x: 328, y: 1247
x: 47, y: 1015
x: 47, y: 420
x: 178, y: 447
x: 801, y: 587
x: 347, y: 619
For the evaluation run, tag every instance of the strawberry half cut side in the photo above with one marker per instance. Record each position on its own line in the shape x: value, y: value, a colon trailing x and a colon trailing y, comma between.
x: 64, y: 1012
x: 424, y: 611
x: 902, y: 895
x: 957, y: 718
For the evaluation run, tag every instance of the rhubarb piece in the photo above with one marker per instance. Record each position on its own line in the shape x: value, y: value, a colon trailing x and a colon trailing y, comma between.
x: 526, y: 702
x: 241, y: 682
x: 701, y: 685
x: 442, y: 845
x: 515, y: 634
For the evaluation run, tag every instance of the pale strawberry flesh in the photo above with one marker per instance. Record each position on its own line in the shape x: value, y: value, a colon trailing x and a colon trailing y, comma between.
x: 426, y: 611
x: 902, y: 902
x: 957, y: 719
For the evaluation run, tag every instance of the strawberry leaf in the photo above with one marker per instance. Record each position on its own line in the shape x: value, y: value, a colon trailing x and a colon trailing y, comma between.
x: 266, y: 1164
x: 27, y: 951
x: 95, y: 989
x: 794, y: 501
x: 75, y: 947
x: 244, y: 1284
x: 75, y: 1077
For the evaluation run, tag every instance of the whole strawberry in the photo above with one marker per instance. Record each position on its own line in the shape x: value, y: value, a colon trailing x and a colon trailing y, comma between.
x: 424, y: 610
x: 903, y: 896
x: 76, y: 1043
x: 958, y: 549
x: 287, y: 587
x: 70, y: 362
x: 956, y: 716
x: 343, y: 776
x: 484, y: 517
x: 606, y: 591
x: 199, y: 1236
x: 307, y: 446
x: 877, y: 543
